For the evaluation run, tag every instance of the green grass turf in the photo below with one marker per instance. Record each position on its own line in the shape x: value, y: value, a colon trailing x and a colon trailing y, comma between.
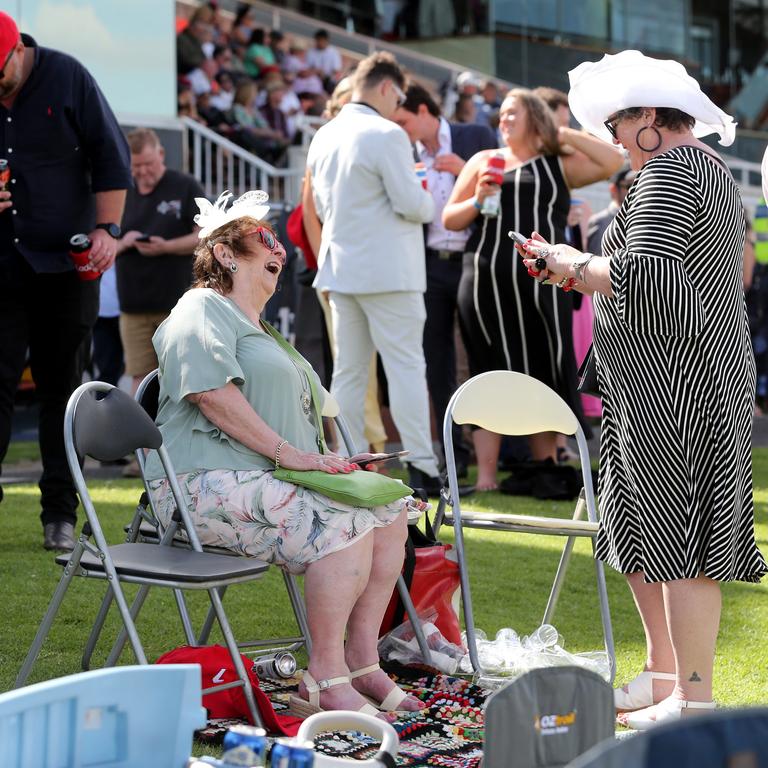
x: 510, y: 574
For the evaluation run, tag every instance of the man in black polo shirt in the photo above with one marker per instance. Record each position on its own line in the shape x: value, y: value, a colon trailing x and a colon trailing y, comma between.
x: 69, y: 172
x: 155, y: 253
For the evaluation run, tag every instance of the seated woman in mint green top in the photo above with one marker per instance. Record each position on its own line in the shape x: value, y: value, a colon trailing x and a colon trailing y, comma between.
x: 233, y: 404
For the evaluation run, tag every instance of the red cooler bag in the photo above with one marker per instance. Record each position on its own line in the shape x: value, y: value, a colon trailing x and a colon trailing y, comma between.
x: 431, y: 574
x: 216, y: 667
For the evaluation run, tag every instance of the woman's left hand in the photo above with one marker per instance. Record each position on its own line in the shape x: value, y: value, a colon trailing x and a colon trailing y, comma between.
x: 559, y: 259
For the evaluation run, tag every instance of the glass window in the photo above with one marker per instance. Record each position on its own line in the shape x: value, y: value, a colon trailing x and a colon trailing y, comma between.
x: 587, y: 18
x: 654, y: 25
x: 541, y: 14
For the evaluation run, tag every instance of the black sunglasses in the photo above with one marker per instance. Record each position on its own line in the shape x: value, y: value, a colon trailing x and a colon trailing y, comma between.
x: 5, y: 63
x: 609, y: 124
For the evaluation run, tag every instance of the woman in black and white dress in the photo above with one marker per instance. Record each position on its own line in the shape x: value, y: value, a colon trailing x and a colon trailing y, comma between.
x: 676, y: 371
x: 508, y: 322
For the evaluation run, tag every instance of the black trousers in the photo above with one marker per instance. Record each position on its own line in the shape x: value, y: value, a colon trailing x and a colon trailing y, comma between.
x: 443, y: 277
x: 107, y: 357
x: 50, y: 315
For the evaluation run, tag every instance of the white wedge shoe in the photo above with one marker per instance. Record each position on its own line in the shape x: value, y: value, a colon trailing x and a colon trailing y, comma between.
x: 639, y: 693
x: 665, y: 712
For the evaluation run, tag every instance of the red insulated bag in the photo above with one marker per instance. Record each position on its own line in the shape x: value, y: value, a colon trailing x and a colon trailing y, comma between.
x: 431, y: 574
x: 216, y: 667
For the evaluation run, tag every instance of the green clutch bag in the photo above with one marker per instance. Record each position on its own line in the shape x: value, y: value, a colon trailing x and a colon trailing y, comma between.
x: 357, y: 489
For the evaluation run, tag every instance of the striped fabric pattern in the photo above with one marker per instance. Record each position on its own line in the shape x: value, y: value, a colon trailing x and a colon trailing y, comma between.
x: 677, y: 373
x: 508, y: 320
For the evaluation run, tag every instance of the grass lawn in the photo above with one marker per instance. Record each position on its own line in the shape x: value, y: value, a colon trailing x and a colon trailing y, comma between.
x: 510, y: 573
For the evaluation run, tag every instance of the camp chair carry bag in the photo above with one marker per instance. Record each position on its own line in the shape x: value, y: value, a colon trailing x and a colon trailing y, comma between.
x: 546, y: 718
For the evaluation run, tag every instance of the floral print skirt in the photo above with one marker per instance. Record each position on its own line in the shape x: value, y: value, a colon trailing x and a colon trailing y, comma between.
x: 252, y: 513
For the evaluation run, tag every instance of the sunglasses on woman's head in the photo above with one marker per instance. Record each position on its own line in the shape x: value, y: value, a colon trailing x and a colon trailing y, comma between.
x: 268, y: 239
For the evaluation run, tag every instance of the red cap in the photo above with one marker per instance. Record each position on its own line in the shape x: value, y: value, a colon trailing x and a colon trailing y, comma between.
x: 9, y: 35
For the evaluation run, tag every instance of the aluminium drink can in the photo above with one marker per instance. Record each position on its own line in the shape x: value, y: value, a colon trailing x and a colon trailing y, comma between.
x: 5, y: 174
x: 80, y: 253
x: 292, y: 753
x: 244, y: 745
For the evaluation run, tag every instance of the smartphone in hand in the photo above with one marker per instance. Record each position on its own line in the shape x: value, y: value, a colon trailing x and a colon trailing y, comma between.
x: 518, y: 238
x: 370, y: 458
x: 144, y: 238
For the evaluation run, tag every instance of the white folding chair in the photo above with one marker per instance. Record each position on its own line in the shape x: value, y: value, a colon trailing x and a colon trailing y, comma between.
x: 511, y: 403
x: 105, y: 423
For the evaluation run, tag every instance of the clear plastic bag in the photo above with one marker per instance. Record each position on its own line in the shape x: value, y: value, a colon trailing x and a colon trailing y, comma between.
x: 401, y: 645
x: 508, y: 656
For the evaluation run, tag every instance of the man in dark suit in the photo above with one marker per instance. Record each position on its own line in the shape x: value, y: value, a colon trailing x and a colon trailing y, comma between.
x: 444, y: 149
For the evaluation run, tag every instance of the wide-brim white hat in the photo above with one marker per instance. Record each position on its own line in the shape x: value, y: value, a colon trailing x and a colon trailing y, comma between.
x: 599, y: 89
x: 765, y: 175
x: 214, y: 215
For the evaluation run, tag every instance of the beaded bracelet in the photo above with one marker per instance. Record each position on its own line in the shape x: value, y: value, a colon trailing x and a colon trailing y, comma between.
x: 277, y: 452
x: 567, y: 284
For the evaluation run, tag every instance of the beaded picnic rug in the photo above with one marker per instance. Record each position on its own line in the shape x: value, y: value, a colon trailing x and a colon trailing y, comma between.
x: 447, y: 733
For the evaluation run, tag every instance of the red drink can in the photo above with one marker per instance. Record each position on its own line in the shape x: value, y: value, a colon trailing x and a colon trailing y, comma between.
x: 5, y: 174
x: 80, y: 252
x: 495, y: 166
x: 421, y: 174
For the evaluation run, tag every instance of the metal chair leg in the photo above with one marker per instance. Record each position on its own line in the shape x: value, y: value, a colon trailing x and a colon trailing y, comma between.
x: 234, y: 652
x: 122, y: 636
x: 557, y: 584
x: 605, y: 614
x: 299, y: 608
x: 410, y: 610
x: 210, y: 618
x: 98, y: 625
x: 50, y: 614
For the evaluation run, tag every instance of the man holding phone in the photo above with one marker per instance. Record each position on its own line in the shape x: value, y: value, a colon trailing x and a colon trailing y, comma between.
x: 154, y: 256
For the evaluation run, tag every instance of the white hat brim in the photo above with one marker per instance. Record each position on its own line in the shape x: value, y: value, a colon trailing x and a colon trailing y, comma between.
x: 630, y: 79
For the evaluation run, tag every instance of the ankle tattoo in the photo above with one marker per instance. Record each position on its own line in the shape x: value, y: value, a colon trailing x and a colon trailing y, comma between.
x: 694, y: 678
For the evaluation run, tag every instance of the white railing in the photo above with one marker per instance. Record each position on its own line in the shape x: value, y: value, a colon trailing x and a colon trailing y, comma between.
x: 220, y: 164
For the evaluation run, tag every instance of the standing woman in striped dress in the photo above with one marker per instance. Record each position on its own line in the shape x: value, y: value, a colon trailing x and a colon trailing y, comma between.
x: 676, y: 371
x: 507, y: 321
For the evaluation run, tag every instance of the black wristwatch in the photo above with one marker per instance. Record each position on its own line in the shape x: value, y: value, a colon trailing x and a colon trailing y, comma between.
x: 112, y: 229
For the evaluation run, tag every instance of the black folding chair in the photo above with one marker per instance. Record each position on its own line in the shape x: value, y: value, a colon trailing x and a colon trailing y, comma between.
x: 105, y: 423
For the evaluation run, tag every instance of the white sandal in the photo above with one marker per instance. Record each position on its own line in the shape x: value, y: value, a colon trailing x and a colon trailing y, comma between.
x: 639, y: 693
x: 303, y: 708
x: 665, y: 711
x: 391, y: 701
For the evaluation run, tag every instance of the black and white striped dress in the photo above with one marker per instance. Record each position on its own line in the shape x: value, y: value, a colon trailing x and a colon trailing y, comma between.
x: 677, y: 373
x: 508, y: 320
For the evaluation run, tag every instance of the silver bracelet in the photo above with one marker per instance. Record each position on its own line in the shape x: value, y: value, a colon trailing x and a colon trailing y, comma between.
x: 580, y: 265
x: 277, y: 452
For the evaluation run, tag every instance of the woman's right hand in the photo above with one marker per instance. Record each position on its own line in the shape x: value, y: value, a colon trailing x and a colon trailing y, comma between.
x: 293, y: 458
x: 485, y: 185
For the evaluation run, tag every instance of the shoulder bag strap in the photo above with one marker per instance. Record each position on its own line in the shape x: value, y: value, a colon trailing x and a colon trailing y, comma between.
x: 307, y: 368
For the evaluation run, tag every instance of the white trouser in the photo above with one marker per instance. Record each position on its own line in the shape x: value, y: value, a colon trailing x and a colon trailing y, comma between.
x: 393, y: 324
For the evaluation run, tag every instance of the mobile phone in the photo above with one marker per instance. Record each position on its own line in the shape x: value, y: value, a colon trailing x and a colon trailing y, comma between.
x: 143, y: 239
x: 372, y: 458
x: 517, y: 237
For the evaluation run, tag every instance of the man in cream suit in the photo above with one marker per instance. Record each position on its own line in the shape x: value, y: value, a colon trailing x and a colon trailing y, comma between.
x: 371, y: 258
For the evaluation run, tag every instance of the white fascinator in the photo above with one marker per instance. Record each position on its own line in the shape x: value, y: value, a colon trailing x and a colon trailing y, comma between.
x: 214, y: 215
x: 599, y: 89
